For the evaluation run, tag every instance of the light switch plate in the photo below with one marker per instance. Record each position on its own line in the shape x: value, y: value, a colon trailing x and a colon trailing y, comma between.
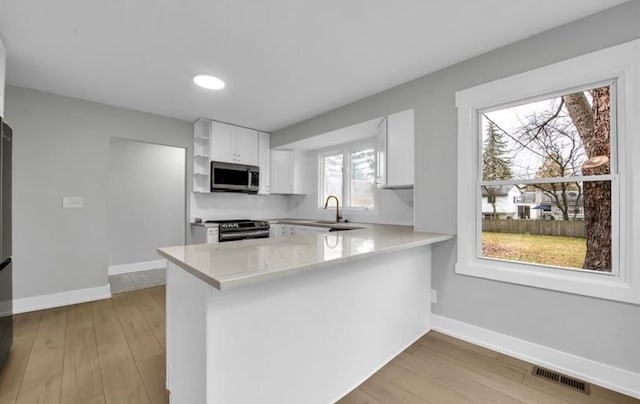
x: 72, y: 202
x: 434, y: 296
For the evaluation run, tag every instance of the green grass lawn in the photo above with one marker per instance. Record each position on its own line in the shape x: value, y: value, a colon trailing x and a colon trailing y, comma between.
x: 548, y: 250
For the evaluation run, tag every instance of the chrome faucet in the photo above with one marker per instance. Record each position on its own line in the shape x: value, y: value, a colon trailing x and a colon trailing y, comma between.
x: 326, y: 204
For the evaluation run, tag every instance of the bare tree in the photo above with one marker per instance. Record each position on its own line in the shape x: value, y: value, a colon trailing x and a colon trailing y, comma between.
x: 554, y: 138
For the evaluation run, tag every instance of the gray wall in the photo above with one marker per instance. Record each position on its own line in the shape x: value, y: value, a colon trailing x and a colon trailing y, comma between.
x: 62, y: 147
x: 146, y: 200
x: 601, y: 330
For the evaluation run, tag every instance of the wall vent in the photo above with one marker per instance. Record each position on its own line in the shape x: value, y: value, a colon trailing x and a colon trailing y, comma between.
x: 559, y: 378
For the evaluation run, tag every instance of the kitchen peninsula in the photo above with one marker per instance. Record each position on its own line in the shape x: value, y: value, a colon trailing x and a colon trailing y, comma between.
x: 293, y: 319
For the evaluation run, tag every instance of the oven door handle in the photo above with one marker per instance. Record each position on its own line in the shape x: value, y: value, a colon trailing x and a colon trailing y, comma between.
x: 233, y: 235
x: 5, y: 263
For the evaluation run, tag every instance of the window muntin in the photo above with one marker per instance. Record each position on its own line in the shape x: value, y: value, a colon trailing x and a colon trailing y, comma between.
x: 552, y: 158
x: 349, y: 174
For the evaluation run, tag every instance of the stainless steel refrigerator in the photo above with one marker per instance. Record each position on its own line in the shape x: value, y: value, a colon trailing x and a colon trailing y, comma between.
x: 6, y: 277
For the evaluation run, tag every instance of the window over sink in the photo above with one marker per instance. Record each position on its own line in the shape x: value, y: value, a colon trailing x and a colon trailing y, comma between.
x: 349, y: 173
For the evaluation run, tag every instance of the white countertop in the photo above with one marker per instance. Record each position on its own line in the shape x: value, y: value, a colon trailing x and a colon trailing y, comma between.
x: 237, y: 263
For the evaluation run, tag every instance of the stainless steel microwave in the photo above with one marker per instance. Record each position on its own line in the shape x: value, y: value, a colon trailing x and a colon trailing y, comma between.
x: 230, y: 177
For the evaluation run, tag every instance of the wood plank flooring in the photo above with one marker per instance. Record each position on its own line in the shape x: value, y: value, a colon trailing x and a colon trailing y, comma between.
x: 440, y: 369
x: 113, y: 351
x: 109, y: 351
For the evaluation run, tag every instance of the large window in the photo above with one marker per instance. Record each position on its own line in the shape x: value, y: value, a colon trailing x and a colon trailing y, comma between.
x: 545, y: 193
x: 546, y: 180
x: 349, y: 174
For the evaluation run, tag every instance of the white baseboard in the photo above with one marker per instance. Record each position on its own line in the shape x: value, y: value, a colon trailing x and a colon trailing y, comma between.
x: 34, y: 303
x: 610, y: 377
x: 137, y: 267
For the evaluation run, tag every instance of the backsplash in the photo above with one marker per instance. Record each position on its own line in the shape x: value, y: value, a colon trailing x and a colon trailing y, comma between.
x: 222, y: 205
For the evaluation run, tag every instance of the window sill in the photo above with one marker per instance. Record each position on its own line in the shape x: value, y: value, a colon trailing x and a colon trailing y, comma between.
x: 602, y: 285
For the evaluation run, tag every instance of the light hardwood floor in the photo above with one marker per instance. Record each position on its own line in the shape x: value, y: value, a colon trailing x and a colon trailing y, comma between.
x: 441, y: 369
x: 113, y: 351
x: 109, y: 351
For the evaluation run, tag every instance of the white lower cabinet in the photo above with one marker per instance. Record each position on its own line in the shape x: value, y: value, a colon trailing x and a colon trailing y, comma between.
x: 301, y: 229
x: 204, y: 235
x: 285, y: 230
x: 276, y: 230
x: 281, y: 230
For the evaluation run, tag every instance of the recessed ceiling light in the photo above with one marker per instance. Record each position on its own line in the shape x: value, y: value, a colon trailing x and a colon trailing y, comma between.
x: 208, y: 82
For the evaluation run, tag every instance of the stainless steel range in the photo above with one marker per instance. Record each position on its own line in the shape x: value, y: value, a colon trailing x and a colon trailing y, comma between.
x: 232, y: 230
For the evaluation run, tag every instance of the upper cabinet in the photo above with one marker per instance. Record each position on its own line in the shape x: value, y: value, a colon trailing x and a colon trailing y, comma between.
x: 396, y: 151
x: 281, y: 171
x: 264, y: 162
x: 3, y: 69
x: 233, y: 144
x: 287, y: 173
x: 223, y: 142
x: 217, y: 141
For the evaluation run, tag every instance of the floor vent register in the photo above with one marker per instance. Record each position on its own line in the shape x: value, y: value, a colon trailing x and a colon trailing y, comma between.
x: 559, y: 378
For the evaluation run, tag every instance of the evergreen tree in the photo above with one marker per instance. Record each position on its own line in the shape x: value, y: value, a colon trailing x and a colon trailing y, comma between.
x: 496, y: 165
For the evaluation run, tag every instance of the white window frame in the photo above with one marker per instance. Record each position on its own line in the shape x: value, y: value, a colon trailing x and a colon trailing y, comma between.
x: 619, y: 64
x: 345, y: 150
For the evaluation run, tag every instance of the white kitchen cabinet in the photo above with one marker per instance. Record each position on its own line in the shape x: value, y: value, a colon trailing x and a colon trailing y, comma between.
x: 286, y: 230
x: 3, y: 69
x: 233, y: 144
x: 264, y: 162
x: 302, y: 229
x: 381, y: 151
x: 223, y: 142
x: 246, y: 146
x: 275, y: 230
x: 204, y: 235
x: 217, y: 141
x: 281, y: 171
x: 396, y: 144
x: 287, y: 173
x: 281, y: 230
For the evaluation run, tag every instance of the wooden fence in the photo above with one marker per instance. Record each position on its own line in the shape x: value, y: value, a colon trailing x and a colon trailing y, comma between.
x: 564, y: 228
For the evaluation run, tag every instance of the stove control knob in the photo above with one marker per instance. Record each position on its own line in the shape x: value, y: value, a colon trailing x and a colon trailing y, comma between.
x: 224, y: 226
x: 235, y: 225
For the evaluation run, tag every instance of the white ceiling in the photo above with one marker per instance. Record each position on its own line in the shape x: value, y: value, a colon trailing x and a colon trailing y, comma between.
x: 283, y: 60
